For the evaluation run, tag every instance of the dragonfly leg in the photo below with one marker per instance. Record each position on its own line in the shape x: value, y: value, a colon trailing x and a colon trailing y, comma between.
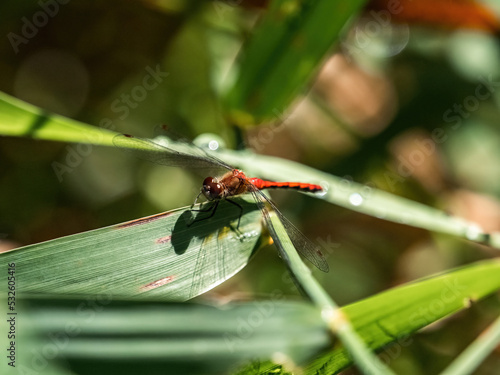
x: 212, y: 208
x: 196, y: 200
x: 241, y: 210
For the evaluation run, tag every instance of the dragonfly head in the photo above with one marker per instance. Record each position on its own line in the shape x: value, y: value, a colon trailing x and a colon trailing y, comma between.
x: 212, y: 188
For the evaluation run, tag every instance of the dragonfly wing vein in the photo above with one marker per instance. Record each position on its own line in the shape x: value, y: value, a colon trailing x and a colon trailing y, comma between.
x: 304, y: 246
x: 148, y: 150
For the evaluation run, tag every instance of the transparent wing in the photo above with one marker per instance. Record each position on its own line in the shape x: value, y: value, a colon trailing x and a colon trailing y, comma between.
x: 148, y: 150
x: 304, y: 246
x: 198, y: 158
x: 202, y: 280
x: 200, y: 283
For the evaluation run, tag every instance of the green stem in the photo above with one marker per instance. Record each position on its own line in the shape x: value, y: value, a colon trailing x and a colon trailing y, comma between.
x: 473, y: 356
x: 338, y: 323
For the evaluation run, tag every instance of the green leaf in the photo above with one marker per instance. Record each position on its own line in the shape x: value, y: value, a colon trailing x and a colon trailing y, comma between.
x: 157, y: 256
x: 395, y: 314
x: 283, y: 54
x: 361, y: 198
x: 151, y: 337
x: 104, y: 333
x: 18, y: 118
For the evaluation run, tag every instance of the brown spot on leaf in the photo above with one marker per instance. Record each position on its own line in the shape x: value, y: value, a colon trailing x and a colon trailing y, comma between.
x: 157, y: 283
x: 163, y: 239
x: 143, y: 220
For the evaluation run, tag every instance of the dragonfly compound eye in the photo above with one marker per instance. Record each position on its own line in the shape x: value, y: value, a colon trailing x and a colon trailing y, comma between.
x: 211, y: 188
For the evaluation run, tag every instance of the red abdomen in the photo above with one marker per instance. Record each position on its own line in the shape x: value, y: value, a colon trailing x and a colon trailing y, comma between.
x: 262, y: 184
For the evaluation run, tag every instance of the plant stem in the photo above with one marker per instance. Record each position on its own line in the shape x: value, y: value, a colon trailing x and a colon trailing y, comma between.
x: 472, y: 357
x: 337, y: 322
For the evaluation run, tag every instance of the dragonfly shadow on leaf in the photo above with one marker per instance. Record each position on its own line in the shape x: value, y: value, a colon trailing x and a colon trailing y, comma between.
x: 200, y: 224
x: 213, y: 247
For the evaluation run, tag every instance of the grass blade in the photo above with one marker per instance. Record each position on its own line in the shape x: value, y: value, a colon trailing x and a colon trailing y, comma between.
x: 393, y: 315
x: 191, y: 337
x: 151, y: 337
x: 283, y: 55
x: 357, y: 197
x: 21, y: 119
x: 472, y: 357
x: 339, y: 324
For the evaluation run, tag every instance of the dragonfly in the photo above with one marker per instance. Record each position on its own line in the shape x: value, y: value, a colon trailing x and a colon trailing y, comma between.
x: 232, y: 183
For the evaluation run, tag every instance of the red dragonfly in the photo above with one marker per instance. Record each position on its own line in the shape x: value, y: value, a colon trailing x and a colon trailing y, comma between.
x: 233, y: 182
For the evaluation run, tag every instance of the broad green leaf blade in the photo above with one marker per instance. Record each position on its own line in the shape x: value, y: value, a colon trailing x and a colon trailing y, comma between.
x: 103, y: 333
x: 157, y: 256
x: 283, y: 54
x: 398, y: 312
x: 18, y: 118
x: 150, y: 337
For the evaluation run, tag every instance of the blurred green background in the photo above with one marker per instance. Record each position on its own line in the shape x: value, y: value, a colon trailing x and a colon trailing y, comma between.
x: 410, y: 109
